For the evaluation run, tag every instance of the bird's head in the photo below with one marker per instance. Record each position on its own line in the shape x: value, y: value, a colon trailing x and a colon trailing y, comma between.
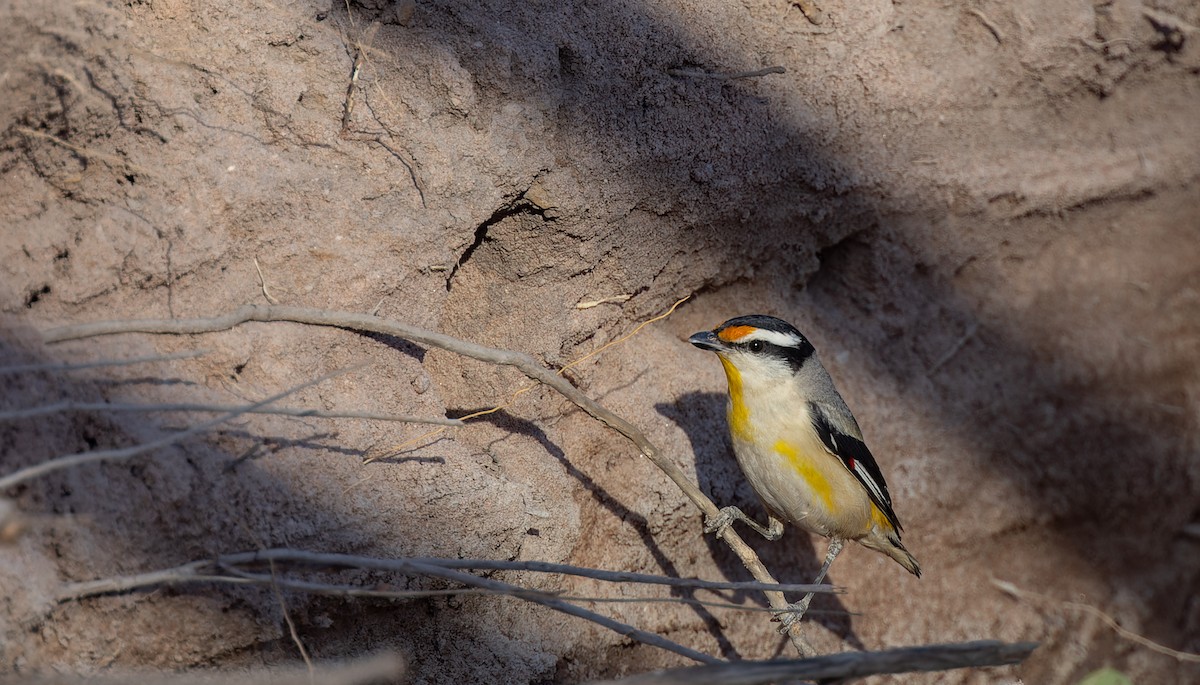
x: 757, y: 346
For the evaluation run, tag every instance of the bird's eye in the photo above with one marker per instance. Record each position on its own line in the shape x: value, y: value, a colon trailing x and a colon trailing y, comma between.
x: 756, y: 346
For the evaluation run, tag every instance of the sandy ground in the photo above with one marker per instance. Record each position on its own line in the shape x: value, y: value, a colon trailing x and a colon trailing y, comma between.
x: 985, y: 215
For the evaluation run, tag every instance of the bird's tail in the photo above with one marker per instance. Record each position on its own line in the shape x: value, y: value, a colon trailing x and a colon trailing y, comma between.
x: 888, y: 542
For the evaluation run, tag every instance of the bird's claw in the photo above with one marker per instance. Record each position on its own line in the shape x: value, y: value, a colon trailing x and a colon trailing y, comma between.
x: 792, y: 615
x: 724, y: 518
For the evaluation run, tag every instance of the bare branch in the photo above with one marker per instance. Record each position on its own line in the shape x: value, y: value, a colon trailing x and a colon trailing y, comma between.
x: 59, y: 463
x: 59, y: 407
x: 202, y: 571
x: 626, y: 577
x: 625, y: 629
x: 696, y: 73
x: 381, y: 668
x: 842, y: 666
x: 523, y: 362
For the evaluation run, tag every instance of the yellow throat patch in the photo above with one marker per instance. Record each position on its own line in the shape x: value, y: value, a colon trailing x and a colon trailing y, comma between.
x: 739, y: 415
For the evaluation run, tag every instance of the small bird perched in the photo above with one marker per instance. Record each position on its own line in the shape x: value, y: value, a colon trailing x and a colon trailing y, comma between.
x: 799, y: 445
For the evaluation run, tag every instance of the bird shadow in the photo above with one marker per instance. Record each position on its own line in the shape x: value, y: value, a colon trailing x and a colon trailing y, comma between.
x: 701, y: 415
x: 507, y: 422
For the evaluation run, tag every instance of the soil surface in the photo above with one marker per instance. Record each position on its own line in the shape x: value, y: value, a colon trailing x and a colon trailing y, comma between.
x: 985, y: 215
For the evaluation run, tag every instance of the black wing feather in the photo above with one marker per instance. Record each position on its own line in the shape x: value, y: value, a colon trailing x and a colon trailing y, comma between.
x: 853, y: 451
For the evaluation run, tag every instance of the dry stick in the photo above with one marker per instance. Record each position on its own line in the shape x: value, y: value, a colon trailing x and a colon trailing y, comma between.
x: 988, y: 24
x: 360, y: 51
x: 66, y: 406
x: 522, y: 362
x: 625, y: 629
x: 371, y: 670
x: 842, y: 666
x: 412, y: 171
x: 414, y: 567
x: 239, y: 577
x: 58, y: 366
x: 262, y: 281
x: 696, y: 73
x: 1017, y: 593
x: 194, y: 571
x: 612, y: 299
x: 59, y: 463
x: 191, y: 571
x: 287, y: 617
x: 624, y: 576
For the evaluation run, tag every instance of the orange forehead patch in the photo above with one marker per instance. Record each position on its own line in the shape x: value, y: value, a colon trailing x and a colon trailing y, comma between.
x: 735, y: 333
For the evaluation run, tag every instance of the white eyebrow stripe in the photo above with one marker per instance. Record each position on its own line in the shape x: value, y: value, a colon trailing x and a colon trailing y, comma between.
x: 773, y: 337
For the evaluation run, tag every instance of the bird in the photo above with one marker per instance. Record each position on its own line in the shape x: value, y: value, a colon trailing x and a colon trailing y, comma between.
x: 799, y: 445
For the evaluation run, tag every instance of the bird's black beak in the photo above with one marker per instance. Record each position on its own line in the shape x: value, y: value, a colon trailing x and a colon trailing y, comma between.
x: 707, y: 340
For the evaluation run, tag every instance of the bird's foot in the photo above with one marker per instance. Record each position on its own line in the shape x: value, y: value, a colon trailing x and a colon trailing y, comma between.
x: 724, y: 518
x: 793, y: 614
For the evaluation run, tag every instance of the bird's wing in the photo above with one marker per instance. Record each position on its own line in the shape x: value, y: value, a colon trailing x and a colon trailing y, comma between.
x: 854, y: 454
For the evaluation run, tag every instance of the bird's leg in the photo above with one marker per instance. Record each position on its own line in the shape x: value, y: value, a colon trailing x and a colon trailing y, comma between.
x: 716, y: 524
x: 796, y: 610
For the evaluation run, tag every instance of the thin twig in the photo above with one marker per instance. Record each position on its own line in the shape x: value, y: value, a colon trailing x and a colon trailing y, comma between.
x: 57, y: 366
x: 262, y: 282
x: 988, y: 24
x: 696, y: 73
x: 839, y: 667
x: 1017, y: 593
x: 72, y: 406
x: 409, y: 566
x: 522, y: 362
x: 199, y: 569
x: 624, y: 629
x: 954, y: 349
x: 612, y: 299
x: 360, y: 53
x: 402, y: 157
x: 624, y: 576
x: 70, y: 460
x: 287, y: 617
x: 371, y: 670
x: 239, y: 577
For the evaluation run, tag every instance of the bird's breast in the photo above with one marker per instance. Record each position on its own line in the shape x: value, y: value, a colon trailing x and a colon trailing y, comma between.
x: 788, y: 466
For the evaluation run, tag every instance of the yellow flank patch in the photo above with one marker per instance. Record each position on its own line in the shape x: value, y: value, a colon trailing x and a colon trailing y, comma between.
x: 809, y: 471
x: 735, y: 333
x: 879, y: 519
x: 739, y: 415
